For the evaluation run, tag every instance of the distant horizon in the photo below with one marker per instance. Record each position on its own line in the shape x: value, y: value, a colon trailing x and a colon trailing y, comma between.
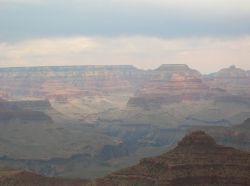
x: 120, y: 65
x: 206, y: 35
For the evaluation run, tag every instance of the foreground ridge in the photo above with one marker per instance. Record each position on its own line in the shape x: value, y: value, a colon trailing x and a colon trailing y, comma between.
x: 197, y: 160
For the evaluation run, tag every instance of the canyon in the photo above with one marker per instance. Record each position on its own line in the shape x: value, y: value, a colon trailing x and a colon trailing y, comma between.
x: 196, y: 160
x: 88, y: 121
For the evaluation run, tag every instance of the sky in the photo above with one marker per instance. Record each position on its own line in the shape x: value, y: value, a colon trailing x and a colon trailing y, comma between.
x: 205, y: 34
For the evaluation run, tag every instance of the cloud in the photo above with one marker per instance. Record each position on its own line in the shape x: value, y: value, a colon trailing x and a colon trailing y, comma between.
x: 24, y: 19
x: 205, y: 54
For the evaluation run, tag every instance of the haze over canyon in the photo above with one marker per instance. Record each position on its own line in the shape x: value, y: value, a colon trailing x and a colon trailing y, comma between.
x: 88, y: 121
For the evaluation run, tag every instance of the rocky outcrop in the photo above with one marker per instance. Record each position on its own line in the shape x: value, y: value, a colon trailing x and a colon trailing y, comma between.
x: 63, y: 83
x: 197, y: 160
x: 180, y: 87
x: 233, y: 79
x: 177, y: 83
x: 237, y: 136
x: 24, y: 112
x: 66, y: 82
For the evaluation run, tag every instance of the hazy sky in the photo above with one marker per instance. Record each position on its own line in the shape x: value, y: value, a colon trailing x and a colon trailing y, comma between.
x: 205, y: 34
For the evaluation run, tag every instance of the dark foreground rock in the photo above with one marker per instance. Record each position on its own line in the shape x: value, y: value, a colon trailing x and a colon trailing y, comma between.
x: 196, y: 161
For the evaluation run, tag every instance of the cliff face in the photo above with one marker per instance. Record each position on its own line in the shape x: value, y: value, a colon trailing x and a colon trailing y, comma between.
x: 177, y: 83
x: 68, y: 82
x: 166, y: 84
x: 180, y: 87
x: 170, y: 84
x: 197, y: 160
x: 24, y: 112
x: 232, y: 79
x: 237, y: 136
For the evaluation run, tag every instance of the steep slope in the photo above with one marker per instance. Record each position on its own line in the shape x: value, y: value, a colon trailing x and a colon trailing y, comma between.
x: 236, y: 136
x: 173, y: 84
x: 24, y: 112
x: 67, y: 82
x: 178, y: 88
x: 28, y: 132
x: 197, y: 160
x: 233, y: 79
x: 64, y: 83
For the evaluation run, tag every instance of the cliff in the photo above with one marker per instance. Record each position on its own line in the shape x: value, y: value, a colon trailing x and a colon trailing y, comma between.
x: 197, y: 160
x: 232, y: 79
x: 180, y: 87
x: 69, y: 81
x: 24, y: 112
x: 237, y: 136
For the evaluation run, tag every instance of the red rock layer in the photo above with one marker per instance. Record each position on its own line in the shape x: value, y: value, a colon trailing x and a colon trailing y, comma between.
x: 197, y: 160
x: 234, y: 80
x: 179, y: 88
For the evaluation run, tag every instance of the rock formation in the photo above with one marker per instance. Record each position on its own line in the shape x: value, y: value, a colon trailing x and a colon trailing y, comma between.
x: 63, y: 83
x: 180, y: 87
x: 233, y: 79
x: 24, y: 111
x: 197, y: 160
x: 237, y: 136
x: 69, y: 81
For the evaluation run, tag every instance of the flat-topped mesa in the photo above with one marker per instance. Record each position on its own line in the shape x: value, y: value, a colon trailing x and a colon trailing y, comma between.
x: 67, y: 68
x: 198, y: 139
x: 177, y: 68
x: 173, y: 67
